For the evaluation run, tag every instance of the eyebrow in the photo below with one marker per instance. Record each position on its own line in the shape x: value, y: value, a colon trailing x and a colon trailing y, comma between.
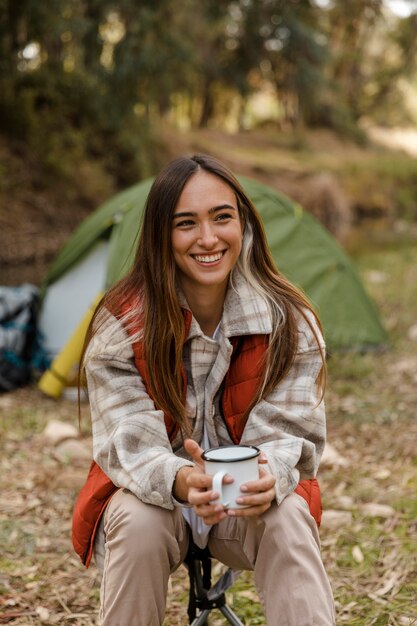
x: 212, y: 210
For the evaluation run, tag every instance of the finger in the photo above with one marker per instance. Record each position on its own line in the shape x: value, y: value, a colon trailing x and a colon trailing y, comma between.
x: 257, y: 499
x: 252, y: 511
x: 194, y: 450
x: 197, y: 497
x: 199, y: 480
x: 266, y: 482
x: 215, y: 519
x: 208, y: 510
x: 212, y: 514
x: 262, y: 458
x: 255, y: 505
x: 264, y: 472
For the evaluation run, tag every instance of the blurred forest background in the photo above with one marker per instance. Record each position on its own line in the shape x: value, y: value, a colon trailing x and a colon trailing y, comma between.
x: 317, y: 98
x: 97, y: 94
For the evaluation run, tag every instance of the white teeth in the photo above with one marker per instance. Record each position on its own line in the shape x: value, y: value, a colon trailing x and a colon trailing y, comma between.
x: 208, y: 258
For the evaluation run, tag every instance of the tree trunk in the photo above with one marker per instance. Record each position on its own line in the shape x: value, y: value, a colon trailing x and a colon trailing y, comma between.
x: 208, y: 104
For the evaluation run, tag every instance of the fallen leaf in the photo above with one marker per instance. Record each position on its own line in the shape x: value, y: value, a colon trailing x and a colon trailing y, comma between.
x: 389, y: 584
x: 373, y: 509
x: 331, y: 457
x: 336, y: 519
x: 357, y: 554
x: 345, y: 502
x: 376, y: 277
x: 251, y: 595
x: 57, y: 431
x: 43, y: 613
x: 412, y: 332
x: 404, y: 620
x: 382, y: 473
x: 72, y: 450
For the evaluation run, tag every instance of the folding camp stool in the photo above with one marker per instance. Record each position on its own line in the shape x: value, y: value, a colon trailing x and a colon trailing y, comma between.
x: 203, y: 596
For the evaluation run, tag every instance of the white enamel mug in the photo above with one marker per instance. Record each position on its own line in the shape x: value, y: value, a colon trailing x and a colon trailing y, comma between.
x: 240, y: 462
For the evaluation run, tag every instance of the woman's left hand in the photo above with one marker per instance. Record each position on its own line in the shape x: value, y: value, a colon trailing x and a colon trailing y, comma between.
x: 257, y: 495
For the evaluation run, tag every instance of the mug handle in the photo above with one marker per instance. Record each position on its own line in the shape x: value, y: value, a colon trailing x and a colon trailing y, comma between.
x: 218, y: 486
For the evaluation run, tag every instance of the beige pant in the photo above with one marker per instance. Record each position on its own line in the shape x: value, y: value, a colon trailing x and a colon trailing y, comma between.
x: 139, y: 545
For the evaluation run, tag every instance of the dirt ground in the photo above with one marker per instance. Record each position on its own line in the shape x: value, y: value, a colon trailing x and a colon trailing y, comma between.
x: 369, y: 555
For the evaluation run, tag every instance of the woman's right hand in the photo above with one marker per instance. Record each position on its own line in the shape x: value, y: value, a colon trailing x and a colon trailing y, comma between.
x: 197, y: 485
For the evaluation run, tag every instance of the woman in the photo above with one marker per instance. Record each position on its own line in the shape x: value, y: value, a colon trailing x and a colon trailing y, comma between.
x: 204, y: 343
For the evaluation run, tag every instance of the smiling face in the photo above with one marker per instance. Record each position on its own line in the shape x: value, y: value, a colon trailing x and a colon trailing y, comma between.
x: 206, y: 233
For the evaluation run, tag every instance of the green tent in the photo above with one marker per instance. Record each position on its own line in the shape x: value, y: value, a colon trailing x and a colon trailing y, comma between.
x: 303, y: 251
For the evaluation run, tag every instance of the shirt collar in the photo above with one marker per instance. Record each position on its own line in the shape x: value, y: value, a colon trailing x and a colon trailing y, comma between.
x: 245, y: 311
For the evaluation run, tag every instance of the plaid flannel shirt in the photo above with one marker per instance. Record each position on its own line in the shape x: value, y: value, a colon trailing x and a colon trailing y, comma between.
x: 130, y: 441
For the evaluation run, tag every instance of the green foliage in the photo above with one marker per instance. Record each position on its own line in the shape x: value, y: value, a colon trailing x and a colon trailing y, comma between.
x: 386, y: 181
x: 20, y: 542
x: 58, y: 97
x: 94, y: 78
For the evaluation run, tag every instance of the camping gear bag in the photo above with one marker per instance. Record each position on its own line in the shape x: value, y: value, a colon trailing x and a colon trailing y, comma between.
x: 17, y: 334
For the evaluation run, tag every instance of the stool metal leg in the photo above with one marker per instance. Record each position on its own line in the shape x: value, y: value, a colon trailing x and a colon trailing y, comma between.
x: 203, y: 596
x: 231, y: 617
x: 201, y: 620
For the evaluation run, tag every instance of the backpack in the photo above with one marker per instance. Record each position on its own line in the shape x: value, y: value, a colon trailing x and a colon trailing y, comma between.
x: 18, y: 306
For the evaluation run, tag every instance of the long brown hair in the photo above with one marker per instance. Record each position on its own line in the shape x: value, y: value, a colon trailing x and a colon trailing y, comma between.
x: 151, y: 286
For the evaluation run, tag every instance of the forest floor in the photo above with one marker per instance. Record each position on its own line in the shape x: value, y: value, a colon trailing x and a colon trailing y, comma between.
x: 369, y: 532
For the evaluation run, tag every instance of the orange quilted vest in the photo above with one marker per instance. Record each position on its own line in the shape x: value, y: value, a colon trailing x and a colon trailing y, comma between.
x: 241, y: 383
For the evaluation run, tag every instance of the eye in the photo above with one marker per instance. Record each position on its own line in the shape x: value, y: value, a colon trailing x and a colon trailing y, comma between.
x: 184, y: 223
x: 221, y: 217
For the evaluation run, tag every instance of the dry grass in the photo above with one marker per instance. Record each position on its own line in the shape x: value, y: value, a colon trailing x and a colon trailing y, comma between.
x: 371, y: 560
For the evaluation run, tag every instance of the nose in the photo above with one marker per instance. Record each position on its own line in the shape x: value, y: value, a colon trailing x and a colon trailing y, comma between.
x: 207, y: 236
